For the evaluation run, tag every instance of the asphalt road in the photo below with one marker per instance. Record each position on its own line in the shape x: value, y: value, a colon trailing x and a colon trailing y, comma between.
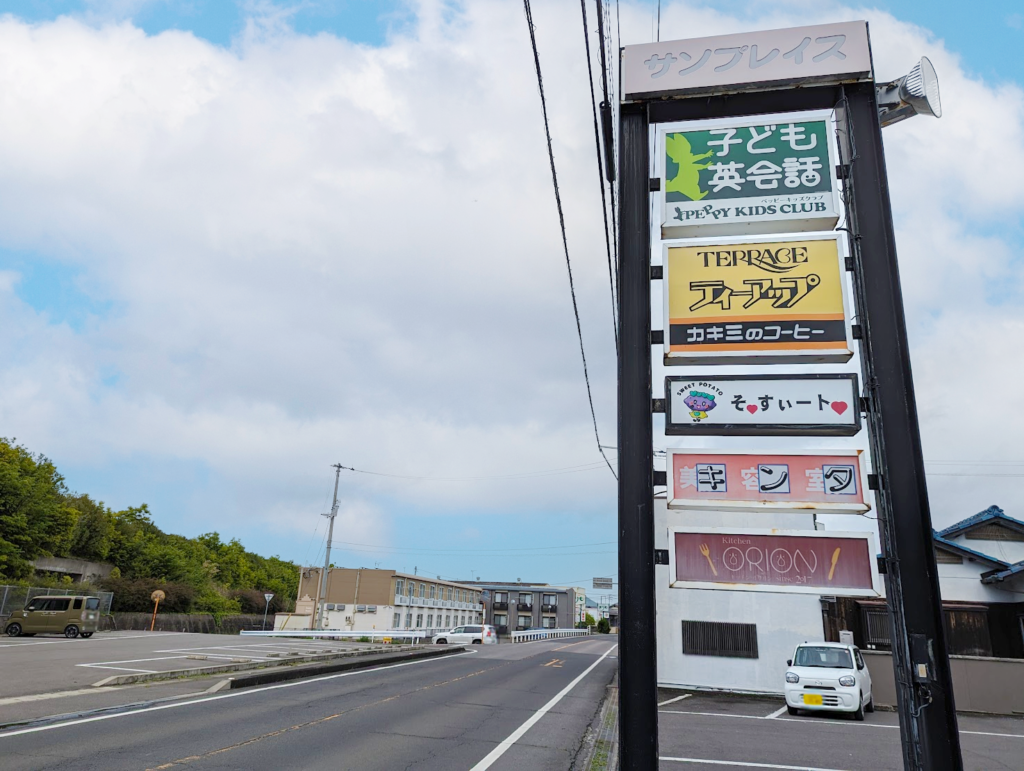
x: 500, y: 707
x: 709, y: 732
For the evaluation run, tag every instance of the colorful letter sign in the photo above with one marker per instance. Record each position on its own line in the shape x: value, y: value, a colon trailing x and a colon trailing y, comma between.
x: 768, y: 301
x: 760, y: 560
x: 824, y: 53
x: 752, y: 405
x: 723, y: 480
x: 767, y: 174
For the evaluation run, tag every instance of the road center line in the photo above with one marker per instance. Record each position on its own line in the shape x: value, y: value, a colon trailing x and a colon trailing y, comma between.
x: 516, y: 735
x: 745, y: 764
x: 677, y: 698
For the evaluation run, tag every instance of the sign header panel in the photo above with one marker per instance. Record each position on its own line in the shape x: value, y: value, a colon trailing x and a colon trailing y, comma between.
x: 753, y: 405
x: 713, y: 480
x: 824, y: 53
x: 745, y: 302
x: 602, y: 583
x: 761, y: 174
x: 793, y: 561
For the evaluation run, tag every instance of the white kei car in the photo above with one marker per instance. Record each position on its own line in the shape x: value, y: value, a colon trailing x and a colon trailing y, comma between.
x: 828, y: 676
x: 475, y: 635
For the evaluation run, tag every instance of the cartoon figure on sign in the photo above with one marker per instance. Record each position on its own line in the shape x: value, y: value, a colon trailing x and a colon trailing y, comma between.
x: 700, y: 404
x: 687, y: 178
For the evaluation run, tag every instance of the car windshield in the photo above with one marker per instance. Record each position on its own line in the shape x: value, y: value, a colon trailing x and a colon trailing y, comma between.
x: 831, y: 658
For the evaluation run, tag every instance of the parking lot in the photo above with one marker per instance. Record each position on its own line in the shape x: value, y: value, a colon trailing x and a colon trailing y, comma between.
x: 709, y: 731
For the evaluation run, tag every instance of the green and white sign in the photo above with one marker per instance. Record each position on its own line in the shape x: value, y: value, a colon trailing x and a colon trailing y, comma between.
x: 769, y: 174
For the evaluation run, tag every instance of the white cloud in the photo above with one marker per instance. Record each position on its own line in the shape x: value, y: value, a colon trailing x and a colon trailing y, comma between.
x: 320, y: 251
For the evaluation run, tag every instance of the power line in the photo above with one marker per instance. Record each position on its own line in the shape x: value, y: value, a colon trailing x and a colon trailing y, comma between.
x: 561, y: 222
x: 477, y: 551
x: 525, y: 475
x: 600, y: 172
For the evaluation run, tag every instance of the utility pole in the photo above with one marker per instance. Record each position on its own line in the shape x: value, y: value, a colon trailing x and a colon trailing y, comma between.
x: 327, y: 557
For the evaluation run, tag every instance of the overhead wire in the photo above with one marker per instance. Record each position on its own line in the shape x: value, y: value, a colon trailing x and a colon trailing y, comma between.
x: 561, y: 222
x: 478, y: 551
x: 600, y: 173
x: 525, y: 475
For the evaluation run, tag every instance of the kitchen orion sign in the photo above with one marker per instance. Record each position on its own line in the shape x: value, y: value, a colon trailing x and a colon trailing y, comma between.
x: 733, y: 480
x: 736, y: 300
x: 823, y: 53
x: 757, y: 174
x: 767, y: 560
x: 754, y: 405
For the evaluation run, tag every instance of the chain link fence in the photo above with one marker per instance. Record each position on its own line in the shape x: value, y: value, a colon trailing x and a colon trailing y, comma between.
x: 14, y: 598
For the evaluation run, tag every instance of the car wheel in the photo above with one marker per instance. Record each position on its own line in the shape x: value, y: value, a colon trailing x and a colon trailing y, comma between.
x: 859, y: 714
x: 86, y: 635
x: 13, y: 630
x: 71, y: 631
x: 870, y: 707
x: 792, y: 710
x: 476, y: 642
x: 442, y: 641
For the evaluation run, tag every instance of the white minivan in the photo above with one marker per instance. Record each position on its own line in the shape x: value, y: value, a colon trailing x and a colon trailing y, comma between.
x: 473, y: 634
x: 828, y: 676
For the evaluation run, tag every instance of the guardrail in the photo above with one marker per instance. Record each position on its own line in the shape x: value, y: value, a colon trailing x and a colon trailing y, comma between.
x: 414, y: 635
x: 548, y: 634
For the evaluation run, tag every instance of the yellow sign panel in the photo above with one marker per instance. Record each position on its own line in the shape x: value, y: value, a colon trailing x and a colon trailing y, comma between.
x: 735, y: 301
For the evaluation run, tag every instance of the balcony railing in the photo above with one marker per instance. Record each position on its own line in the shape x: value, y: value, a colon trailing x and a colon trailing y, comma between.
x: 525, y: 607
x: 548, y: 608
x: 501, y: 606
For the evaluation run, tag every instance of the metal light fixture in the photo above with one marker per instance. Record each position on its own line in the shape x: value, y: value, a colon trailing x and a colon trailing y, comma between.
x: 916, y: 93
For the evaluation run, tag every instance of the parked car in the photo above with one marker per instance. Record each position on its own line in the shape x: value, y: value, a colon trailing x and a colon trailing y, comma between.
x: 72, y: 616
x: 474, y: 635
x: 828, y: 676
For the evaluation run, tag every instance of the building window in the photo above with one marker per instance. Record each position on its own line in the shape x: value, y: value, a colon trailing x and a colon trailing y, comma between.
x: 526, y: 599
x: 423, y: 591
x: 430, y: 620
x: 549, y: 599
x: 448, y: 620
x: 501, y: 596
x: 399, y: 587
x: 548, y: 622
x: 525, y: 622
x: 463, y: 622
x: 419, y: 620
x: 716, y: 638
x: 448, y: 594
x: 408, y: 620
x: 431, y: 591
x: 396, y: 621
x: 501, y: 619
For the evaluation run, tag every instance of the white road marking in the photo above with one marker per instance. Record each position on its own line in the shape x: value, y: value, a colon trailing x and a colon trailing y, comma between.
x: 776, y: 713
x: 745, y: 764
x: 126, y: 669
x: 57, y: 695
x: 229, y: 695
x: 677, y: 698
x: 516, y: 735
x: 102, y: 664
x: 79, y: 642
x: 836, y: 724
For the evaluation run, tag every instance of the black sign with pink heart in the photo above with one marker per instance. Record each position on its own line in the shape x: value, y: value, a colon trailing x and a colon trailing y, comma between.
x: 752, y: 405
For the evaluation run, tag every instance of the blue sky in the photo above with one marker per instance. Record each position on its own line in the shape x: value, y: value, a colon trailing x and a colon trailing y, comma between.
x: 123, y: 380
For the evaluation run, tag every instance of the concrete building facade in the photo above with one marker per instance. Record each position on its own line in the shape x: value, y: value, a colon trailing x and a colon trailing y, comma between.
x: 513, y: 607
x: 363, y: 600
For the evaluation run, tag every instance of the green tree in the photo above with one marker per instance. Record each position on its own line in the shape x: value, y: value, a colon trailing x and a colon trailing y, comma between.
x: 588, y: 620
x: 604, y: 626
x: 34, y: 518
x: 93, y: 533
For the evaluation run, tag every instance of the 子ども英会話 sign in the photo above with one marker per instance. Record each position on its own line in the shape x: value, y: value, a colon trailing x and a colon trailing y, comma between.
x: 736, y: 176
x: 753, y: 405
x: 734, y: 480
x: 765, y: 301
x: 797, y: 561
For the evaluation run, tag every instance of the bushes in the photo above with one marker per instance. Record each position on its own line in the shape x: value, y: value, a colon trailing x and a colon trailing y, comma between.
x: 132, y: 595
x: 604, y: 626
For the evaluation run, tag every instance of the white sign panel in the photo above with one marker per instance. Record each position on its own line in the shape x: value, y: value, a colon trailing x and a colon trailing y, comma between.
x: 752, y: 405
x: 824, y: 53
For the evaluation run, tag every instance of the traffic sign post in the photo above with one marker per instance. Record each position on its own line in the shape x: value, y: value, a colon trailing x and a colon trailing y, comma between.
x: 268, y: 597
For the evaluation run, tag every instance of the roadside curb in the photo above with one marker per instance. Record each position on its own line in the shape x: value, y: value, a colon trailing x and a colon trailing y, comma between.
x: 299, y: 673
x: 174, y: 674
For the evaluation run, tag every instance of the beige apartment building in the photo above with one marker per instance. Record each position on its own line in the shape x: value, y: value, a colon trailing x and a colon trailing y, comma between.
x: 363, y: 600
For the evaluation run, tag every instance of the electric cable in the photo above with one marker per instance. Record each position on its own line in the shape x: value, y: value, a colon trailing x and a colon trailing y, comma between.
x: 524, y: 475
x: 561, y: 221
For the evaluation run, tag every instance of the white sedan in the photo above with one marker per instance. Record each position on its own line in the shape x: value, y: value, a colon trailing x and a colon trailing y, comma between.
x: 828, y: 676
x: 474, y: 635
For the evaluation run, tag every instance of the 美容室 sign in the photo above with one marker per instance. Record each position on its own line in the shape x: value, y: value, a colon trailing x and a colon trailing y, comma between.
x: 764, y: 560
x: 735, y: 480
x: 823, y: 53
x: 752, y: 405
x: 766, y: 174
x: 755, y: 301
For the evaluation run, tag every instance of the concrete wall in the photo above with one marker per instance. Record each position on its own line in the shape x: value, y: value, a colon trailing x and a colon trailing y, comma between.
x: 81, y: 570
x: 185, y: 622
x: 979, y: 684
x: 962, y: 583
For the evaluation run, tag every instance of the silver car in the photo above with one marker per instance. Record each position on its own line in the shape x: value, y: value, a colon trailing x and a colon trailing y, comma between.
x: 478, y: 634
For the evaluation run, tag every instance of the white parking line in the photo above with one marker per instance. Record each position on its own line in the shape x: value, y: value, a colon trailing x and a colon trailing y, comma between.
x: 775, y: 714
x: 516, y: 735
x: 103, y: 664
x: 79, y: 642
x: 126, y: 669
x: 822, y: 723
x: 677, y: 698
x: 745, y: 764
